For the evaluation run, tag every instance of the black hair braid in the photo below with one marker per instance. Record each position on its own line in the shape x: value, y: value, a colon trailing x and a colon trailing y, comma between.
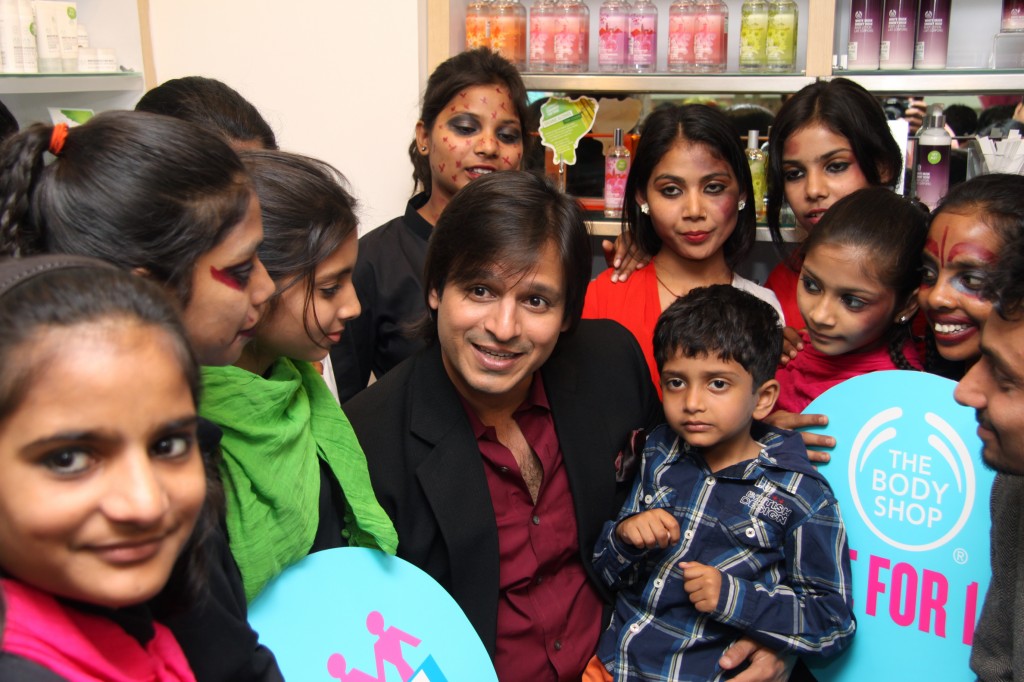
x: 897, y: 339
x: 21, y: 157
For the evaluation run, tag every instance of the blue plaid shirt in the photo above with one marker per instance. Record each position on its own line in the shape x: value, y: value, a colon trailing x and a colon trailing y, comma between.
x: 771, y: 526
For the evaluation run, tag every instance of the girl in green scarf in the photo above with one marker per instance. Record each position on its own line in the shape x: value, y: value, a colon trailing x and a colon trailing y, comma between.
x: 295, y: 477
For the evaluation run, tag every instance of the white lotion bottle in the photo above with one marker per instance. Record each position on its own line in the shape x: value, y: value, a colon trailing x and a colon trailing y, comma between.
x: 931, y: 172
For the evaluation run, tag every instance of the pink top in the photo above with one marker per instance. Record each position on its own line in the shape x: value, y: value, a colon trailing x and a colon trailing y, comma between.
x: 811, y: 372
x: 86, y: 647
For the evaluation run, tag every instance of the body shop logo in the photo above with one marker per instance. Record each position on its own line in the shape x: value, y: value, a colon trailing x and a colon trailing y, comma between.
x: 912, y: 497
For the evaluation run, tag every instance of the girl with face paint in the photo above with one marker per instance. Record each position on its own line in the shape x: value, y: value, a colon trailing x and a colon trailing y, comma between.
x: 472, y: 123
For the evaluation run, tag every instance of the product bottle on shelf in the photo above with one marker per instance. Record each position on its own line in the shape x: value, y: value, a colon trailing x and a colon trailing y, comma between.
x: 932, y: 43
x: 616, y: 168
x: 680, y: 36
x: 508, y: 31
x: 478, y: 24
x: 613, y: 36
x: 568, y: 20
x: 542, y: 36
x: 753, y: 34
x: 583, y: 45
x: 899, y: 19
x: 865, y: 35
x: 643, y: 37
x: 710, y: 36
x: 756, y: 161
x: 780, y: 47
x: 931, y: 172
x: 1013, y: 16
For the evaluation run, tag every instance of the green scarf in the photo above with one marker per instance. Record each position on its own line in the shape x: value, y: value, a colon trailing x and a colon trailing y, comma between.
x: 274, y: 430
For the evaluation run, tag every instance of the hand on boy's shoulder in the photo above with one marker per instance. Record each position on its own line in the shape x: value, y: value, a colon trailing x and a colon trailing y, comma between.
x: 649, y: 529
x: 792, y: 344
x: 703, y: 584
x: 794, y: 421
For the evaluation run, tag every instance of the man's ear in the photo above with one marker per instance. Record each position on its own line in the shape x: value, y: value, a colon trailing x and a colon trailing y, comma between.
x: 766, y: 396
x: 433, y: 299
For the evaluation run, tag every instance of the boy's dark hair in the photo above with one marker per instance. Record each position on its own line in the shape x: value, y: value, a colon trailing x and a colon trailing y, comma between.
x: 724, y: 321
x: 894, y: 230
x: 1005, y: 284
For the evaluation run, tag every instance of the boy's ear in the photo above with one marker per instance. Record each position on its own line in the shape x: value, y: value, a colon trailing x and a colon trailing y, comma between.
x: 766, y: 396
x: 906, y: 314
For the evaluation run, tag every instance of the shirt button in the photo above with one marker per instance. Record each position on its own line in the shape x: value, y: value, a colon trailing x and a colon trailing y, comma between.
x: 540, y: 579
x: 710, y: 481
x: 503, y: 470
x: 658, y: 582
x: 750, y: 532
x: 558, y: 645
x: 635, y: 627
x: 649, y: 499
x: 536, y: 520
x: 688, y: 535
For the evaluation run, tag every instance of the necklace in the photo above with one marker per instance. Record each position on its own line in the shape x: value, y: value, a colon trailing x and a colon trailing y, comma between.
x: 671, y: 293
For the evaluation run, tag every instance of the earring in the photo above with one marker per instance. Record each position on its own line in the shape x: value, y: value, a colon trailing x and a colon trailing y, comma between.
x: 423, y: 148
x: 903, y: 319
x: 645, y: 209
x: 742, y: 205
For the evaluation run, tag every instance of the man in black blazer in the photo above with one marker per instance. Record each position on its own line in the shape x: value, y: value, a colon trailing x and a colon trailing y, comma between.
x: 501, y: 448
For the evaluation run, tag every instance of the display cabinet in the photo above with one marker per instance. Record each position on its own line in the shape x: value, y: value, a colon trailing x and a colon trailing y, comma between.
x: 118, y: 24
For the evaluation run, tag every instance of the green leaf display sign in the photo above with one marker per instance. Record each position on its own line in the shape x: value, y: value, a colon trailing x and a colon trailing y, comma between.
x: 563, y: 123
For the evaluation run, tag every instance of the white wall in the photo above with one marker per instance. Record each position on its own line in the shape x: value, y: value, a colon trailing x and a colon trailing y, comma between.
x: 336, y: 79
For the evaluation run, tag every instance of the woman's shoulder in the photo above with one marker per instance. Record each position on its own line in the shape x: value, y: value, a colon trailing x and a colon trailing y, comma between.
x: 605, y: 296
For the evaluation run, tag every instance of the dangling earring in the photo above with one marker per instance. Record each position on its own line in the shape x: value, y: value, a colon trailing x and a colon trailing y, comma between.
x: 742, y: 205
x: 645, y: 209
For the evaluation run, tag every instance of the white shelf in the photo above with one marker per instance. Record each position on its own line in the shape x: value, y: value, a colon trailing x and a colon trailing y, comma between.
x: 666, y: 82
x: 26, y: 84
x: 939, y: 82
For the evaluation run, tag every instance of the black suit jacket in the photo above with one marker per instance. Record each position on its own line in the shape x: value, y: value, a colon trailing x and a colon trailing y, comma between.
x: 428, y: 475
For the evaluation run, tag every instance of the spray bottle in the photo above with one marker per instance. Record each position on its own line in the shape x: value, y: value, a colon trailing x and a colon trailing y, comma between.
x: 931, y: 172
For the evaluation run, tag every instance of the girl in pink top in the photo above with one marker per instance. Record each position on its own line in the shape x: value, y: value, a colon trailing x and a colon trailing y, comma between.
x: 102, y: 484
x: 857, y: 294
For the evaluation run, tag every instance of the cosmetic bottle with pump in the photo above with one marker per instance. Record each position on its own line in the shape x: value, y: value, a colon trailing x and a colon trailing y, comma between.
x: 616, y: 168
x: 865, y: 35
x: 613, y: 36
x: 643, y: 37
x: 756, y: 160
x: 753, y: 35
x: 931, y: 172
x: 680, y: 36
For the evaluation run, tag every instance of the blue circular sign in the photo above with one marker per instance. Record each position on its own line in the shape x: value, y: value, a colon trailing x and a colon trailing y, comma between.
x: 908, y: 475
x: 360, y: 615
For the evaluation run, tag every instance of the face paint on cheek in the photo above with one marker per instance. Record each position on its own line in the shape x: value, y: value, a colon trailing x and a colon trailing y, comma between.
x: 494, y: 115
x: 225, y: 279
x: 440, y: 168
x: 463, y: 94
x: 508, y: 161
x: 483, y: 100
x: 458, y: 164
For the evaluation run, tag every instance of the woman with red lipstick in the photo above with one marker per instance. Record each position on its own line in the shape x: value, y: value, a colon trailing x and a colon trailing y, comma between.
x: 688, y: 202
x: 828, y: 140
x: 151, y: 194
x: 967, y: 232
x: 295, y: 477
x: 859, y: 279
x: 104, y: 486
x: 471, y: 123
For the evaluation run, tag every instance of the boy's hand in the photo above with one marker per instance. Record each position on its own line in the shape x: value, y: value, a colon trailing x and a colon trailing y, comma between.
x: 649, y: 529
x: 624, y: 256
x: 791, y: 344
x: 794, y: 420
x: 703, y: 584
x: 765, y: 664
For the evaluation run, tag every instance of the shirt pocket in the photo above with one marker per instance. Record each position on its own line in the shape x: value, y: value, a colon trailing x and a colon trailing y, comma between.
x: 757, y: 545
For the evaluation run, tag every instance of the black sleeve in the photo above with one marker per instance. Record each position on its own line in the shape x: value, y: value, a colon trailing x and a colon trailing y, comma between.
x: 215, y: 633
x: 17, y: 669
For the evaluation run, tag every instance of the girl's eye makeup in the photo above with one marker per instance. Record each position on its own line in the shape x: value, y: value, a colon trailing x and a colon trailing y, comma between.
x: 510, y: 135
x: 970, y: 283
x: 854, y: 303
x: 170, y: 447
x: 929, y: 275
x: 810, y: 285
x: 236, y: 277
x: 792, y: 175
x: 837, y: 166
